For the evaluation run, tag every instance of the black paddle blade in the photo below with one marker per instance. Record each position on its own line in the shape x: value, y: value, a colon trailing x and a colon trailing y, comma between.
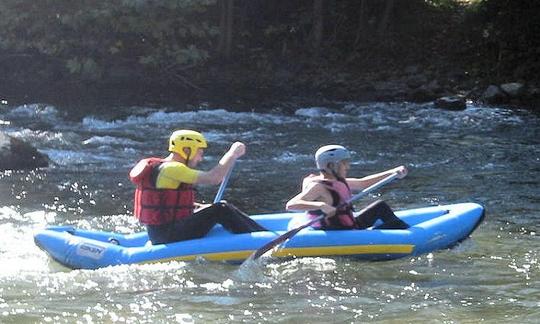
x: 269, y: 246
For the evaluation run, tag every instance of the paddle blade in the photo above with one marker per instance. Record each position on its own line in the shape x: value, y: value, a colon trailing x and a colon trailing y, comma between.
x: 267, y: 247
x: 282, y: 238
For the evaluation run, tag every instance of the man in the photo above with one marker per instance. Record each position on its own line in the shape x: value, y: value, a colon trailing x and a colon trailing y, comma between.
x: 329, y: 191
x: 165, y: 198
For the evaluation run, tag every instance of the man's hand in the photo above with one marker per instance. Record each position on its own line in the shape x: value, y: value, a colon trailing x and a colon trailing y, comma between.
x: 237, y: 149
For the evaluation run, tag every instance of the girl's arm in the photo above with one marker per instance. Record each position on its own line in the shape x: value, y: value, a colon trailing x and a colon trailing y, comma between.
x: 357, y: 184
x: 311, y: 198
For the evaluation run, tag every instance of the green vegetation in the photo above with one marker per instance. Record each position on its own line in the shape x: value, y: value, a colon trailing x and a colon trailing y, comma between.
x: 200, y: 47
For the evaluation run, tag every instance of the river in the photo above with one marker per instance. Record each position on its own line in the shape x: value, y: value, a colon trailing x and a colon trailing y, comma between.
x: 487, y: 155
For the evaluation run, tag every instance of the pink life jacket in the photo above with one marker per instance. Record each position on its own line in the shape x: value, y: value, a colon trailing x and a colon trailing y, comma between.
x: 344, y: 218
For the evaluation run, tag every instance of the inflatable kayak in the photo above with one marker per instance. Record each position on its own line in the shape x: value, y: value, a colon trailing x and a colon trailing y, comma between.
x: 431, y: 228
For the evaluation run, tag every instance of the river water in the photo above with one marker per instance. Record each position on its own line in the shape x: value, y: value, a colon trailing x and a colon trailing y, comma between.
x: 483, y: 154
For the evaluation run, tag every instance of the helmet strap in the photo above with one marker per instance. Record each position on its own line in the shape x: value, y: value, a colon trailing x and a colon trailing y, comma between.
x: 188, y: 155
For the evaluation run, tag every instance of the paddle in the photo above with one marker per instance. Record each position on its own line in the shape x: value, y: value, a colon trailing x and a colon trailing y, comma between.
x: 221, y: 189
x: 280, y: 239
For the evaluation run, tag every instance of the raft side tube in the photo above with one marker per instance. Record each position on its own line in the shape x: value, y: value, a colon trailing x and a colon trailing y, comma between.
x: 79, y: 252
x: 237, y: 248
x: 448, y: 230
x: 127, y: 240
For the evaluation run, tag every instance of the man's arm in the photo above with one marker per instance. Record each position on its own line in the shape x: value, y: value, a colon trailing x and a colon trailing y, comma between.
x: 217, y: 173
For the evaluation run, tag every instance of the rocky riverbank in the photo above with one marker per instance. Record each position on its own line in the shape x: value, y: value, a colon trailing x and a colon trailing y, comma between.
x: 283, y: 89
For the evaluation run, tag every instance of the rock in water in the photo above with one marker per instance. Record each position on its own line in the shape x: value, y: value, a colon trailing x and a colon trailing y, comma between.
x: 18, y: 155
x: 451, y: 103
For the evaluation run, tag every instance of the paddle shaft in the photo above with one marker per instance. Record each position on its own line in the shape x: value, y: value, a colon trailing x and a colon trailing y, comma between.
x: 223, y: 185
x: 280, y: 239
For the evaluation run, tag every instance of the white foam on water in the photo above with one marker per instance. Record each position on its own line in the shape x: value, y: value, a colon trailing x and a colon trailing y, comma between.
x: 71, y: 158
x: 181, y: 119
x: 288, y: 157
x: 18, y: 253
x: 34, y: 112
x: 312, y: 112
x: 40, y: 138
x: 253, y: 271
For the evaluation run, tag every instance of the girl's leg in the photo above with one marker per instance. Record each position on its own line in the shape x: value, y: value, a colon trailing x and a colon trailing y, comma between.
x: 379, y: 210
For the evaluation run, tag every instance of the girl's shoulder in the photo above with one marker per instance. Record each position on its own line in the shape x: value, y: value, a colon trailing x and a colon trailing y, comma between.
x: 311, y: 180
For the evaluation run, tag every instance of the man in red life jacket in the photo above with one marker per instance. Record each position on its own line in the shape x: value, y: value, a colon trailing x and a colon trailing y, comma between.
x: 332, y: 188
x: 165, y: 198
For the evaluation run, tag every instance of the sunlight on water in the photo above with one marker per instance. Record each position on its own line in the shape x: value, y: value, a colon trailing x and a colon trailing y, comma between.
x: 18, y: 254
x: 301, y: 266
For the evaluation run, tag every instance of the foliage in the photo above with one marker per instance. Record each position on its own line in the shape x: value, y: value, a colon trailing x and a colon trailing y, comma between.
x: 162, y: 39
x: 88, y: 37
x: 507, y: 37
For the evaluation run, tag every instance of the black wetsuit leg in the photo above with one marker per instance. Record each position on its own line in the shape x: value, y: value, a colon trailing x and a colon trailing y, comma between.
x: 201, y: 222
x: 379, y: 210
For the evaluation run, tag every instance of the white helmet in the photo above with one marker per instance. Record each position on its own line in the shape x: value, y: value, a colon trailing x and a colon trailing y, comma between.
x: 330, y: 154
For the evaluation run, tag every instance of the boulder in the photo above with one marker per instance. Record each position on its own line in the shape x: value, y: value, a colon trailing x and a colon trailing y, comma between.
x: 493, y: 94
x: 451, y: 103
x: 513, y: 89
x: 18, y: 155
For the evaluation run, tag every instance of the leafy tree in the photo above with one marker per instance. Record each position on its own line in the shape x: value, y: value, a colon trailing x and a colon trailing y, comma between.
x: 87, y: 38
x: 188, y: 42
x: 506, y: 33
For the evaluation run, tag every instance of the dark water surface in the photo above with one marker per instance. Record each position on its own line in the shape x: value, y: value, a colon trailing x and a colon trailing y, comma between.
x: 485, y: 155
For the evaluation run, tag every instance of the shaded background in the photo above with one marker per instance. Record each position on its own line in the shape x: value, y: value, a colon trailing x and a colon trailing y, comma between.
x: 244, y: 52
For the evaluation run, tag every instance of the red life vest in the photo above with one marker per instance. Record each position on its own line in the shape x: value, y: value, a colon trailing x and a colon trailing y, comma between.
x: 154, y: 206
x: 344, y: 217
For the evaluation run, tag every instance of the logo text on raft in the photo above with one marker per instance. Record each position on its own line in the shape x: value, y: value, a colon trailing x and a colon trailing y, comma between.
x: 90, y: 250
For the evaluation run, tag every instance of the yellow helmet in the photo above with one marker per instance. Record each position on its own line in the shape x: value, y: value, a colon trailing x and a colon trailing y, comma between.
x: 181, y: 139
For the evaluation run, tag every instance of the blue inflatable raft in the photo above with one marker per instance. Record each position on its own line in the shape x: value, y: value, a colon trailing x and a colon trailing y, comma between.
x: 432, y: 228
